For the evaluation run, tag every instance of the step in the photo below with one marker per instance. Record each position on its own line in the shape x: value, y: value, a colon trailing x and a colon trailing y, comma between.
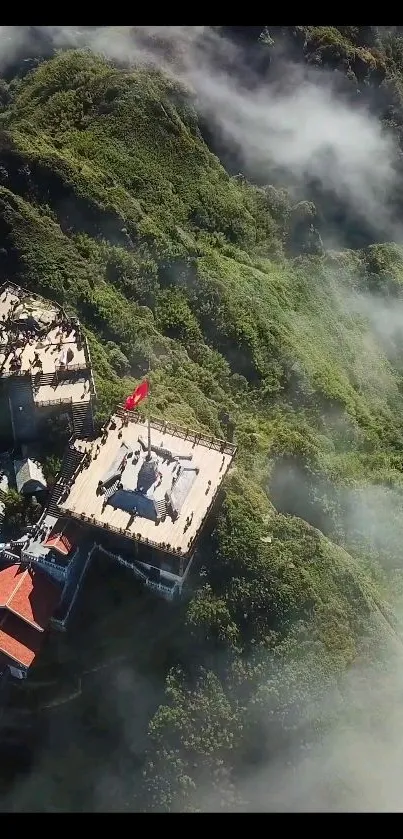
x: 152, y: 584
x: 21, y: 384
x: 67, y: 473
x: 81, y: 409
x: 81, y: 406
x: 57, y: 490
x: 43, y: 379
x: 79, y: 417
x: 52, y: 509
x: 161, y: 508
x: 111, y: 489
x: 70, y: 462
x: 83, y: 421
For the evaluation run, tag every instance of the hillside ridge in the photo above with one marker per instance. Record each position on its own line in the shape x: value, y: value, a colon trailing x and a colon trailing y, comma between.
x: 113, y: 204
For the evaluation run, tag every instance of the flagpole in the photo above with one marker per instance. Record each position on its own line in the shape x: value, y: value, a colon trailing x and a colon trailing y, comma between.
x: 149, y: 409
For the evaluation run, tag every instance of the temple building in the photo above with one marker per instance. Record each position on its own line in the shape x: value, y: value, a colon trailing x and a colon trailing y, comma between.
x: 146, y: 488
x: 29, y: 477
x: 141, y: 493
x: 28, y: 599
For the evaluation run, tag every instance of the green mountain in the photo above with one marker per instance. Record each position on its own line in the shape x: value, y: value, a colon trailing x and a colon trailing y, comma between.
x: 112, y: 203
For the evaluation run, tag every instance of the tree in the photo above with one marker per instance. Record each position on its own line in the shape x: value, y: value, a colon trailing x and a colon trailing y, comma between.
x: 33, y: 510
x: 194, y: 736
x: 117, y: 359
x: 14, y: 511
x: 51, y: 468
x: 57, y: 431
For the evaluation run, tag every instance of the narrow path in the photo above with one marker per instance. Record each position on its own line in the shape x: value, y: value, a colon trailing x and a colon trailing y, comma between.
x: 57, y: 702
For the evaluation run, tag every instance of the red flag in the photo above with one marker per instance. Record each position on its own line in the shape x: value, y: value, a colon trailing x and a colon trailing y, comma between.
x: 137, y: 396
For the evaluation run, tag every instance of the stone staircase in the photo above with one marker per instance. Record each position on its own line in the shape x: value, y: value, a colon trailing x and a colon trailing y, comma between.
x: 21, y: 397
x: 52, y: 509
x: 110, y: 490
x: 2, y: 497
x: 83, y: 422
x: 71, y: 460
x: 43, y: 379
x: 161, y: 508
x: 160, y: 588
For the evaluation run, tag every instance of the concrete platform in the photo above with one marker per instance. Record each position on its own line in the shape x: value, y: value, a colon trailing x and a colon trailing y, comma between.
x: 51, y: 346
x: 210, y: 457
x: 66, y: 391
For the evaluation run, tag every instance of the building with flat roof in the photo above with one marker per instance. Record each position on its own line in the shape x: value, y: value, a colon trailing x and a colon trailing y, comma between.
x: 151, y: 500
x: 45, y: 367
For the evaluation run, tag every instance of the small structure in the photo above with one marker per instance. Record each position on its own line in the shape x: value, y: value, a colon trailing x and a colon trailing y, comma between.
x: 28, y: 599
x: 53, y: 546
x: 29, y: 477
x: 61, y: 538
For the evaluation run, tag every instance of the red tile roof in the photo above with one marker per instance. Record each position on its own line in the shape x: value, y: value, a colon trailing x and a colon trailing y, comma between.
x: 18, y: 641
x: 62, y: 537
x: 59, y: 542
x: 29, y: 594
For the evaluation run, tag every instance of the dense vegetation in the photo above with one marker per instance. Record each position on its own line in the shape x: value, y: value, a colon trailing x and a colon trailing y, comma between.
x: 112, y: 203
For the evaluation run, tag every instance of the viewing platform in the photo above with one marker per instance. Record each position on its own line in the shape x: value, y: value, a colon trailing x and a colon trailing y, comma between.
x: 160, y: 501
x: 37, y: 339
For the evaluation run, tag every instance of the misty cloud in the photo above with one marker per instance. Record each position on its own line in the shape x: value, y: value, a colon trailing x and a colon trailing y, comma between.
x: 356, y: 765
x: 384, y: 315
x: 309, y: 132
x: 305, y: 128
x: 301, y: 125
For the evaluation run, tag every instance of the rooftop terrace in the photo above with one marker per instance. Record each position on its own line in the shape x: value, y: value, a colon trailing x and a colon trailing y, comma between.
x: 163, y: 503
x: 37, y: 338
x: 70, y: 390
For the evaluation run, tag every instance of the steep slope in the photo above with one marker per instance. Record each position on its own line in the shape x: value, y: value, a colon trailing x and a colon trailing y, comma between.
x: 111, y: 202
x: 365, y: 64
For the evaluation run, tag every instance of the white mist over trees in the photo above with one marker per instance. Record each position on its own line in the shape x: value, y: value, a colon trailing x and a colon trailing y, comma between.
x: 285, y: 665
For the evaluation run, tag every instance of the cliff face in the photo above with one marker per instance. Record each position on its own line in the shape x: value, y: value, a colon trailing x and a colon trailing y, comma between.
x: 186, y: 212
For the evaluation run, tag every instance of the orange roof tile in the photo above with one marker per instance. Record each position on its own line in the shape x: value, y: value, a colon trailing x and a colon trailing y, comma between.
x: 19, y: 641
x: 62, y: 537
x: 59, y: 542
x: 29, y: 594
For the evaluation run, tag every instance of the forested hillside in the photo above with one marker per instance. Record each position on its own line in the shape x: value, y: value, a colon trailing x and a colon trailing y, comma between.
x: 277, y: 300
